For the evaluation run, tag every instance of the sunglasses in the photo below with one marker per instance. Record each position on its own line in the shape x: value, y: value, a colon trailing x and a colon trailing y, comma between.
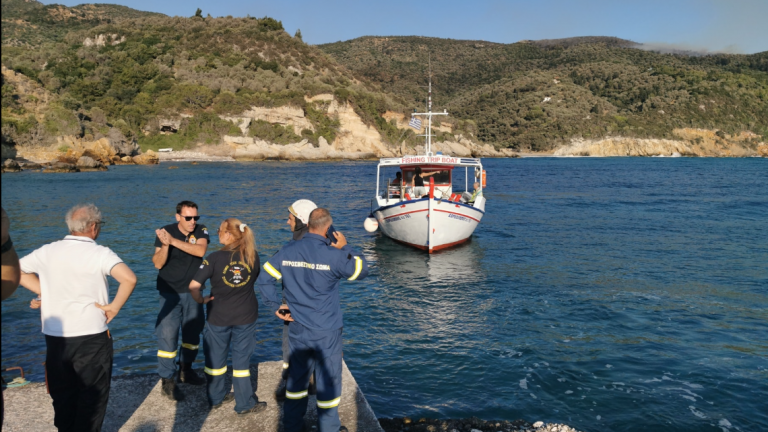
x: 189, y: 218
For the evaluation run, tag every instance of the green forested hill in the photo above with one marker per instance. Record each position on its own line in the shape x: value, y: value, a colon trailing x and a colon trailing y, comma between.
x: 102, y: 66
x: 533, y: 95
x: 110, y: 66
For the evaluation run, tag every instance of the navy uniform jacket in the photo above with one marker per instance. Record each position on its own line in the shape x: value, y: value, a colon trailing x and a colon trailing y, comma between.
x: 311, y: 269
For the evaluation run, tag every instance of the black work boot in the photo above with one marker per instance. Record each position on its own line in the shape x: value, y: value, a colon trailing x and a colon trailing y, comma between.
x: 259, y: 407
x: 187, y: 375
x: 171, y: 391
x: 280, y: 392
x: 229, y: 397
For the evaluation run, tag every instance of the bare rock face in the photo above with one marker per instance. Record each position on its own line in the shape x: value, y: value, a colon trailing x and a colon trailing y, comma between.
x: 105, y: 149
x: 103, y: 39
x: 61, y: 167
x: 690, y: 142
x: 86, y: 163
x: 148, y: 158
x: 121, y: 145
x: 762, y: 150
x: 284, y: 115
x: 354, y: 140
x: 464, y: 147
x: 262, y: 150
x: 26, y: 165
x: 355, y: 136
x: 125, y: 160
x: 11, y: 166
x: 621, y: 146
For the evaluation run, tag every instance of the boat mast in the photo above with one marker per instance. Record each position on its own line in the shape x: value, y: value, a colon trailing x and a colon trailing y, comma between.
x: 429, y: 110
x: 429, y: 113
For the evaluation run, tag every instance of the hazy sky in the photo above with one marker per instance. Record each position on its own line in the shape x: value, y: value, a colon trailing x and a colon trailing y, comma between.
x: 715, y: 25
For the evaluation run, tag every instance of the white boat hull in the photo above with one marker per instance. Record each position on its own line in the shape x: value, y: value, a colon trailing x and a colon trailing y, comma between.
x: 439, y: 226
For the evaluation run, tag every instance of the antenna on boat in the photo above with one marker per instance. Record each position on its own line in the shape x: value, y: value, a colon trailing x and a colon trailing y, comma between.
x: 429, y: 112
x: 429, y: 109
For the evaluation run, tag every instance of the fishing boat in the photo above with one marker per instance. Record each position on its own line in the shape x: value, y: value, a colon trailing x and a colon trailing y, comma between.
x: 434, y: 217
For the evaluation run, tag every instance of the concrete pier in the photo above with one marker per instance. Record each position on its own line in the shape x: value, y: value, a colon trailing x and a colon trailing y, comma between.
x: 136, y: 404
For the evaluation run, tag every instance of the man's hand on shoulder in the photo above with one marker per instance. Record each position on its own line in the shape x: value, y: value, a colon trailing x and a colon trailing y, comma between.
x: 340, y: 242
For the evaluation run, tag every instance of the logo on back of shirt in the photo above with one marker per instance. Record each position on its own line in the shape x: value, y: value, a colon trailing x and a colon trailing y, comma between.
x: 236, y: 274
x: 192, y: 240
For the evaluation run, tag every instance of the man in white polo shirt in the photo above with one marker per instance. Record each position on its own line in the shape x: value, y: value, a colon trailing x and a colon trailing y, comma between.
x: 70, y: 276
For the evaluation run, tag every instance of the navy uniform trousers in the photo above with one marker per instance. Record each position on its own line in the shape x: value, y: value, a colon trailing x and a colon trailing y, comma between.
x: 216, y: 349
x: 177, y: 311
x: 320, y: 351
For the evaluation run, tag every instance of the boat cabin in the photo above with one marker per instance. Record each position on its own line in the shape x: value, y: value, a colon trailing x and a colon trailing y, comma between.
x: 440, y: 169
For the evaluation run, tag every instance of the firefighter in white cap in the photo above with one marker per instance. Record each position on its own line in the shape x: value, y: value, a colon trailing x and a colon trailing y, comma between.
x: 298, y: 218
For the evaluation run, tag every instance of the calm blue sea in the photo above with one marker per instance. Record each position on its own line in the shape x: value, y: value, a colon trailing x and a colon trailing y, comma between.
x: 611, y: 294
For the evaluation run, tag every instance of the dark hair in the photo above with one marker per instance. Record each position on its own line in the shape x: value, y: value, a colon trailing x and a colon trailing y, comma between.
x: 418, y: 170
x: 319, y: 218
x: 183, y: 204
x: 399, y: 174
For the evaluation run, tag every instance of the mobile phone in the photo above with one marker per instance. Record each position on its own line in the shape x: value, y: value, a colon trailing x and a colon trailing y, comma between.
x: 330, y: 235
x: 284, y: 311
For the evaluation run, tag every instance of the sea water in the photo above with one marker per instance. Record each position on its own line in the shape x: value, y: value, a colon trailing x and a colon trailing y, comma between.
x: 611, y: 294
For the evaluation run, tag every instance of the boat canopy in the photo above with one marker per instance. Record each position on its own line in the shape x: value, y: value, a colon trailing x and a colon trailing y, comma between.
x: 430, y: 160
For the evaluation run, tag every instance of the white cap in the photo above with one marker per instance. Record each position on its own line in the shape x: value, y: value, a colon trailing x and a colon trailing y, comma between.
x: 301, y: 209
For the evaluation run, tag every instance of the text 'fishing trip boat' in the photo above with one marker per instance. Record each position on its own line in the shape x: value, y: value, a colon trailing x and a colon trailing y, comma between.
x: 429, y: 216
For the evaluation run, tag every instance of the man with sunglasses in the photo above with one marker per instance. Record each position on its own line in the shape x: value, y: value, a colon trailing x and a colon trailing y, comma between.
x: 179, y: 251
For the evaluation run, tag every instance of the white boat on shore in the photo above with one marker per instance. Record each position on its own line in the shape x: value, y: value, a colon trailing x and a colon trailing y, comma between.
x: 433, y: 217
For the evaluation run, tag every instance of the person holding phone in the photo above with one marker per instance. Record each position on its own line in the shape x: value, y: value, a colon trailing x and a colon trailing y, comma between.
x: 179, y: 251
x: 298, y: 216
x: 232, y: 313
x: 311, y: 270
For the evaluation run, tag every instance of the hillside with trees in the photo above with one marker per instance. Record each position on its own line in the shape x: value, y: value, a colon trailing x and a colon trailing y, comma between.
x: 537, y: 95
x: 96, y: 70
x: 109, y: 66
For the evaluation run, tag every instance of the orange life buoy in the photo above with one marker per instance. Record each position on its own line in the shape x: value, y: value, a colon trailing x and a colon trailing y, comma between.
x: 483, y: 178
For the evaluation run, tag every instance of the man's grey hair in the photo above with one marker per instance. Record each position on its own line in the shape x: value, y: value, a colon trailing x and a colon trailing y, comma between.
x: 319, y: 218
x: 80, y: 217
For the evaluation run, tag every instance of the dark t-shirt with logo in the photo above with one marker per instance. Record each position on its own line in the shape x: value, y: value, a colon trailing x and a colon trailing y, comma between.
x: 180, y: 267
x: 234, y: 301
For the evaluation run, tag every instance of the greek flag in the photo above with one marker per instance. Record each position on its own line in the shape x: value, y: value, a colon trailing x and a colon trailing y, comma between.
x: 415, y: 123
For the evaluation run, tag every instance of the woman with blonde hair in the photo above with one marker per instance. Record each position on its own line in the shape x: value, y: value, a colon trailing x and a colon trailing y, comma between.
x: 232, y: 313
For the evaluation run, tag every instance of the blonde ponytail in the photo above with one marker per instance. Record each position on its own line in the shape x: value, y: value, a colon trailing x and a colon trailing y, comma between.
x: 244, y: 242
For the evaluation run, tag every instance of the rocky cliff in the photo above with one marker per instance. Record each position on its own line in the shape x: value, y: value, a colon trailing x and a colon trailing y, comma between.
x: 50, y: 143
x: 84, y: 154
x: 687, y: 142
x: 354, y: 139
